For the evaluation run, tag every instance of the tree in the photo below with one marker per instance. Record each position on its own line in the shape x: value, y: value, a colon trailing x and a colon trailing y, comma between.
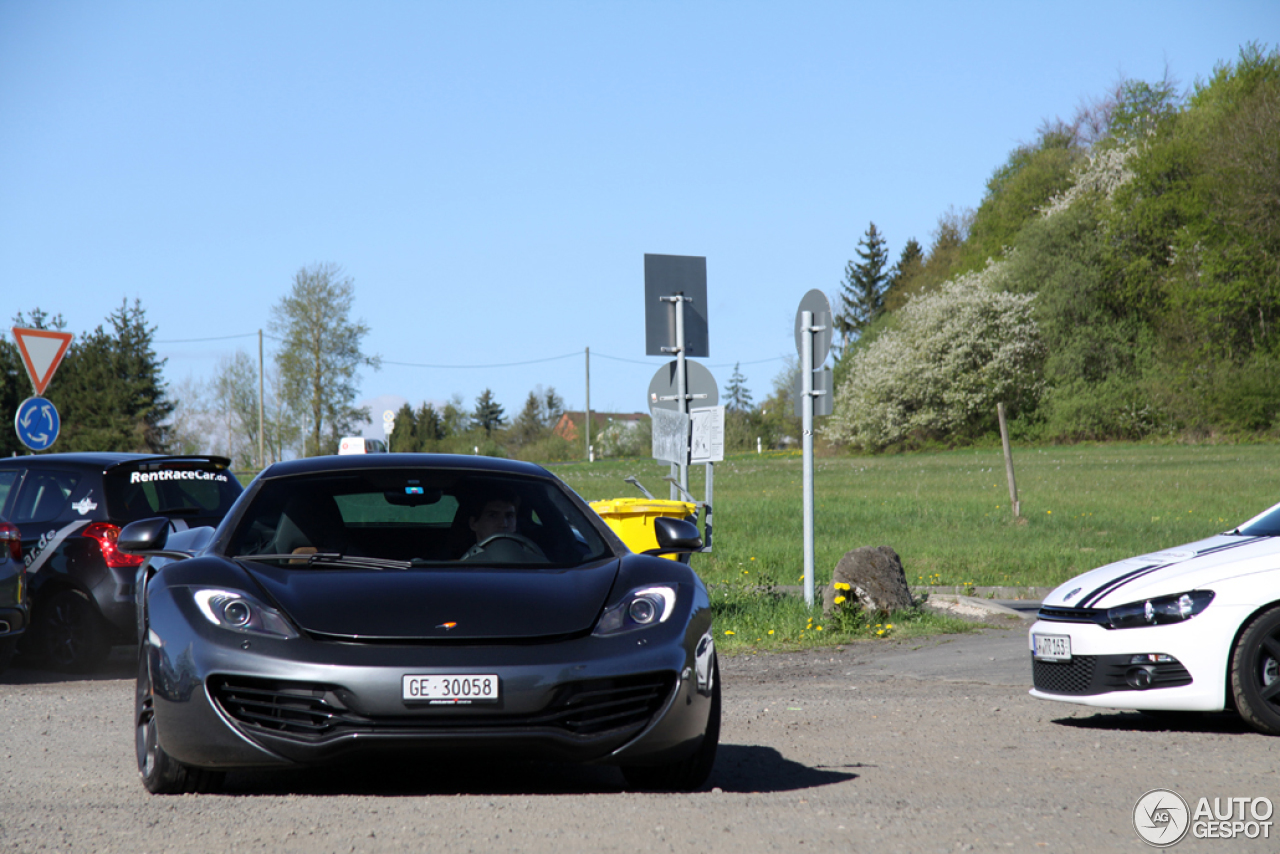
x: 737, y: 397
x: 110, y: 390
x: 431, y: 427
x: 862, y: 291
x: 530, y: 424
x: 553, y: 406
x: 955, y: 354
x: 404, y: 432
x: 320, y: 358
x: 487, y: 414
x: 454, y: 419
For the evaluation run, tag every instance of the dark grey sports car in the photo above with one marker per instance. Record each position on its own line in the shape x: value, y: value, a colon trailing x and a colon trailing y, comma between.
x: 352, y: 605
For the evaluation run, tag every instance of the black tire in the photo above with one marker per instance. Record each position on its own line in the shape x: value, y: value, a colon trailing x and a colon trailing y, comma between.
x: 68, y: 632
x: 161, y: 773
x: 1255, y: 672
x: 687, y: 775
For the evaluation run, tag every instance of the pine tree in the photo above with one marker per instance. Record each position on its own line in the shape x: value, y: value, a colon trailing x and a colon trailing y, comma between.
x: 862, y: 292
x: 404, y: 435
x: 487, y: 414
x: 737, y: 397
x: 431, y: 427
x: 530, y: 424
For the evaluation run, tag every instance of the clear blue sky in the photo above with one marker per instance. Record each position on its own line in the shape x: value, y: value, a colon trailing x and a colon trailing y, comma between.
x: 491, y: 174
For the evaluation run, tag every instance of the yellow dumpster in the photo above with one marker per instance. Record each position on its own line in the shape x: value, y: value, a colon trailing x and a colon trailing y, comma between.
x: 632, y: 519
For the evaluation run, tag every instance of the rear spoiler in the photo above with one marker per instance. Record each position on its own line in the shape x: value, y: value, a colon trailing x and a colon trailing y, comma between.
x: 159, y: 463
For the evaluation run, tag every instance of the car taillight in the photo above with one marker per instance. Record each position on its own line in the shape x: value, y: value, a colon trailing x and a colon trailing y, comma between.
x: 106, y: 534
x: 9, y: 534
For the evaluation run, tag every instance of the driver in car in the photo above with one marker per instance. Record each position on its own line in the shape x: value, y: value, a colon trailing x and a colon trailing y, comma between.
x: 496, y: 521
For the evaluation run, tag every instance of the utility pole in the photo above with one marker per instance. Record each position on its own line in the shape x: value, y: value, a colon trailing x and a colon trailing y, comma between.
x: 262, y: 457
x: 586, y: 427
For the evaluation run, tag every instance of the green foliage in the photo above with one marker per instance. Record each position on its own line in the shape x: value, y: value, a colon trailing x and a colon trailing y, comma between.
x: 737, y: 397
x: 320, y: 356
x: 109, y: 390
x: 942, y: 261
x: 488, y: 413
x: 862, y: 291
x: 955, y: 355
x: 1017, y: 191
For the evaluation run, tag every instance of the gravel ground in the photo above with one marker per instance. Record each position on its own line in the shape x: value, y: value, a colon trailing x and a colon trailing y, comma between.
x: 923, y: 745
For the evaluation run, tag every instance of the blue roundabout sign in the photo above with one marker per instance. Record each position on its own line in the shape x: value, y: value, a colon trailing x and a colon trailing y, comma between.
x: 37, y: 423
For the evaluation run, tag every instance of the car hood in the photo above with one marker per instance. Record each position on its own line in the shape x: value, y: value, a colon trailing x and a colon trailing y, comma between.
x: 1192, y: 566
x: 440, y: 604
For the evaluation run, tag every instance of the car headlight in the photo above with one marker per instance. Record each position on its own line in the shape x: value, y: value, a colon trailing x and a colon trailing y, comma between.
x: 639, y: 609
x: 1159, y: 611
x: 240, y: 612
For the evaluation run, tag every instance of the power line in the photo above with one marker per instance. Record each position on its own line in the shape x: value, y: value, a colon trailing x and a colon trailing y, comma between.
x: 572, y: 355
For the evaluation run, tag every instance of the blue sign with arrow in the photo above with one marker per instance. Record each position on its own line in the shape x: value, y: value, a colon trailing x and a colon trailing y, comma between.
x: 37, y: 423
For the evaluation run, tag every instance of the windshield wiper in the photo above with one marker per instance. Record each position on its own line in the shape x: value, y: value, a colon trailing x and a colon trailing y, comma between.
x: 322, y: 559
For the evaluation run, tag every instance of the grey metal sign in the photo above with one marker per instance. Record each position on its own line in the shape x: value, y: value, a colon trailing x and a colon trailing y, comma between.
x: 816, y: 302
x: 665, y: 276
x: 700, y: 386
x: 670, y: 436
x: 706, y: 429
x: 824, y: 403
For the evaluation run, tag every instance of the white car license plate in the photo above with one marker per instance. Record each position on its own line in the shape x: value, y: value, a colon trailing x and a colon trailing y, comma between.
x: 450, y: 689
x: 1053, y: 647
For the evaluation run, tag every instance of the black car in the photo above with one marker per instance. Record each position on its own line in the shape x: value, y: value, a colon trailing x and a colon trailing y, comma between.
x: 69, y: 509
x: 391, y: 603
x: 14, y: 609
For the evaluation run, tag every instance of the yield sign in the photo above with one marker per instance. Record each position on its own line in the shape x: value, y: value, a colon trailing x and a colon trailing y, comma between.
x: 42, y: 350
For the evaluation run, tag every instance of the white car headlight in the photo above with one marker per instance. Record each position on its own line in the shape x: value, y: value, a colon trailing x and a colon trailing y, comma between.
x: 1159, y: 611
x: 639, y: 609
x: 240, y: 612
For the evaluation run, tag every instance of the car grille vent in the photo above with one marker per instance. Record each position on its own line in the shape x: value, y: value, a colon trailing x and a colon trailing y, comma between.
x: 1064, y: 677
x: 1074, y: 615
x: 314, y: 711
x: 1087, y: 674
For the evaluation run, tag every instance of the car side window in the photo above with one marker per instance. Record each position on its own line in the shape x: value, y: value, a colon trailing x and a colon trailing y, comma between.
x: 7, y: 480
x: 44, y: 495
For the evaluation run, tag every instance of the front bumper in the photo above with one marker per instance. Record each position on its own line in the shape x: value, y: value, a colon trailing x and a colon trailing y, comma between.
x: 222, y: 699
x: 1099, y: 673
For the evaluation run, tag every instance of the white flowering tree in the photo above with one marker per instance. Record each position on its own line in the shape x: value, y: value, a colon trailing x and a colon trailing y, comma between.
x: 953, y: 356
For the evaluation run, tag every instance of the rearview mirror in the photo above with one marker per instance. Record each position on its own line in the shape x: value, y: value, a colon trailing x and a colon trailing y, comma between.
x: 675, y: 535
x: 145, y: 535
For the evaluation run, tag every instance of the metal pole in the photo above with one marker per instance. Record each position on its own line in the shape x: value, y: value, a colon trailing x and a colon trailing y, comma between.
x: 262, y: 456
x: 587, y: 421
x: 682, y: 384
x: 806, y: 385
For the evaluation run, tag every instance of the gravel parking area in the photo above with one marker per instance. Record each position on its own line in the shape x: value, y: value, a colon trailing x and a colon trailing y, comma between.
x: 923, y: 745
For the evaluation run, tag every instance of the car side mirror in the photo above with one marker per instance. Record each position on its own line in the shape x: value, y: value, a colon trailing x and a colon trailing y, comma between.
x: 675, y: 535
x: 145, y: 535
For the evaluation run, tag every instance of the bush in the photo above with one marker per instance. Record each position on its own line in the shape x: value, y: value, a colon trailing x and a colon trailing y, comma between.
x: 954, y: 354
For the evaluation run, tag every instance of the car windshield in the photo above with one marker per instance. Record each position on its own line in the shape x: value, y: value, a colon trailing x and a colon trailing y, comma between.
x: 1265, y: 525
x: 415, y: 517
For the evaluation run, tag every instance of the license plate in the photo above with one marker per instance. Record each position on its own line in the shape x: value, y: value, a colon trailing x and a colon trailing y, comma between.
x: 1053, y: 647
x: 450, y: 690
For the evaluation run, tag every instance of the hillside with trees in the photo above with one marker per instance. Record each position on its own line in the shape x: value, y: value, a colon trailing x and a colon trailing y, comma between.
x: 1119, y: 280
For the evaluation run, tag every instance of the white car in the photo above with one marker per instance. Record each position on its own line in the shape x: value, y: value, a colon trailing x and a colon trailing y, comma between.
x: 1190, y: 629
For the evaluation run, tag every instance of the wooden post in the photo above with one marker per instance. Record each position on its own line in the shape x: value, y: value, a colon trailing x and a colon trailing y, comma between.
x: 1008, y: 462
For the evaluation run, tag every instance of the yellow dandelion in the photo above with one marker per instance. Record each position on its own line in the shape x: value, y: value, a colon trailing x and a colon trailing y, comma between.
x: 839, y: 599
x: 770, y: 631
x: 729, y: 632
x: 840, y: 585
x: 819, y: 628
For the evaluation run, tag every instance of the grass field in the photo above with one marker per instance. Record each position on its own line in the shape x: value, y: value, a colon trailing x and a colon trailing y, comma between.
x: 947, y: 514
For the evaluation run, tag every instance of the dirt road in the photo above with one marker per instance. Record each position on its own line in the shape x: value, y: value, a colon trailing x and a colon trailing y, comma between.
x: 915, y: 746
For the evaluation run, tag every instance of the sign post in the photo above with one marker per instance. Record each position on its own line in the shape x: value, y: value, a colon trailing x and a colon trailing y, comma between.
x: 36, y: 421
x: 813, y: 340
